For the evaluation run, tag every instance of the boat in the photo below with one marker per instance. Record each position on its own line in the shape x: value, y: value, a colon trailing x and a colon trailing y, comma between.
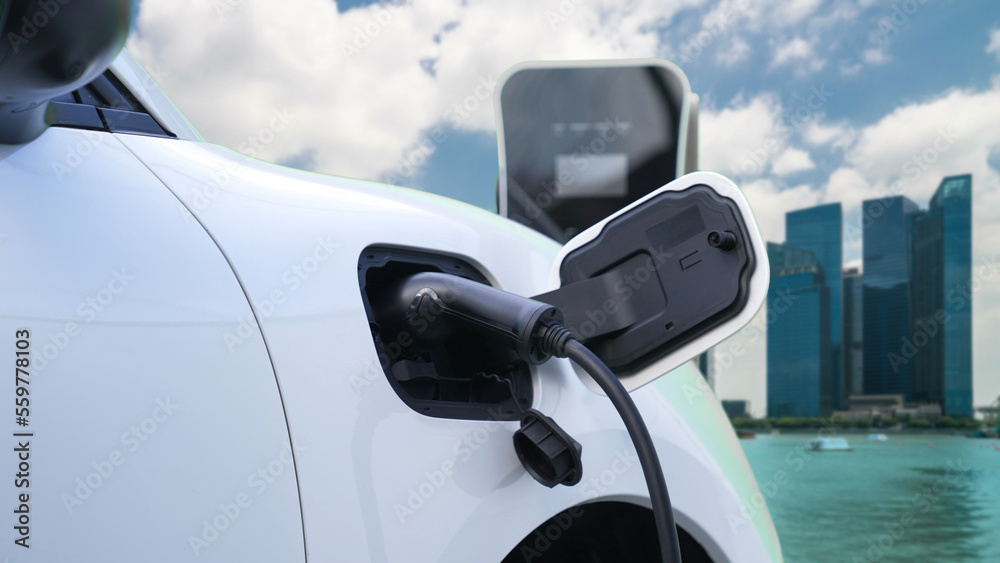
x: 745, y: 434
x: 878, y: 437
x: 830, y: 445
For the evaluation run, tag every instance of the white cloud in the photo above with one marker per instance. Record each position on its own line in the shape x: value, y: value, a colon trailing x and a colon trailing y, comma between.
x: 354, y: 81
x: 737, y: 52
x: 771, y: 201
x: 994, y: 45
x: 818, y: 133
x: 741, y: 139
x: 798, y: 52
x: 875, y: 56
x: 847, y: 186
x: 792, y: 161
x: 763, y: 15
x: 911, y: 149
x: 793, y: 50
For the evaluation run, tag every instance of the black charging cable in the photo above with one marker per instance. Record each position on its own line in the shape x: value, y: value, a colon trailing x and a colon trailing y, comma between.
x: 560, y: 342
x: 533, y: 329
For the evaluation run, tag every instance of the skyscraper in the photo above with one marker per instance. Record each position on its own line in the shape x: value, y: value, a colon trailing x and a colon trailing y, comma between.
x: 820, y: 230
x: 853, y: 340
x: 887, y: 317
x: 798, y: 334
x: 927, y: 297
x: 941, y: 270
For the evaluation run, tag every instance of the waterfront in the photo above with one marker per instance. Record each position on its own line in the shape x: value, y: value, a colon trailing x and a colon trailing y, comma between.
x: 927, y: 497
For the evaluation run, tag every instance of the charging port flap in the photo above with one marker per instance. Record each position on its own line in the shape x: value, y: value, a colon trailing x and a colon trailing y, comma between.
x: 664, y: 278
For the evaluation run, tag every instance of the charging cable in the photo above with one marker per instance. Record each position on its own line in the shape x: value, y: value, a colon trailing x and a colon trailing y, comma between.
x: 534, y: 330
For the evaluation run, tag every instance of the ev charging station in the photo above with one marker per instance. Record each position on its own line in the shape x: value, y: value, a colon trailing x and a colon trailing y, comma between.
x: 580, y: 140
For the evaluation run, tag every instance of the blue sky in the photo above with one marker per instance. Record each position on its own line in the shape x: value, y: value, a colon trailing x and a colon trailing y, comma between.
x: 940, y: 47
x: 370, y: 87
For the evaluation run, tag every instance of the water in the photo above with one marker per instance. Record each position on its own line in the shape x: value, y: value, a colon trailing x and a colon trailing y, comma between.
x: 913, y: 498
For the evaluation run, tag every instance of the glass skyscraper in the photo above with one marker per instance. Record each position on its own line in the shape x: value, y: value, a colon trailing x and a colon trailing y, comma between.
x: 798, y: 334
x: 887, y: 317
x: 941, y: 271
x: 853, y: 333
x: 820, y: 230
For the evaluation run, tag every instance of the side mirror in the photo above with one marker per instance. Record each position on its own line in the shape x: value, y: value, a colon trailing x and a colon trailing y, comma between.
x: 664, y: 279
x: 50, y: 49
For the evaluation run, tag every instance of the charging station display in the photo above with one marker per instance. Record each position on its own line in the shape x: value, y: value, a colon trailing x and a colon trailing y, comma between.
x: 578, y: 143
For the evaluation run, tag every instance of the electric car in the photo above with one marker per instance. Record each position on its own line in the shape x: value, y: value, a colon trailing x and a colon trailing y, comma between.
x: 202, y: 365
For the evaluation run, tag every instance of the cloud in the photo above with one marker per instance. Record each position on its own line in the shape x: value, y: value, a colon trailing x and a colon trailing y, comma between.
x: 818, y: 133
x: 994, y: 45
x: 792, y: 161
x: 793, y: 50
x: 366, y: 85
x: 737, y: 52
x: 797, y: 52
x: 735, y: 140
x: 763, y: 15
x: 770, y: 202
x: 875, y: 56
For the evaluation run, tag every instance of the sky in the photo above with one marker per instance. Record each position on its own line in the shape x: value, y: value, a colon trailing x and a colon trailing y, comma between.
x: 802, y: 102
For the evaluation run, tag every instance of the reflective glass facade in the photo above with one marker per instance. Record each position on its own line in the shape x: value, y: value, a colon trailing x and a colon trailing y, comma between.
x: 953, y: 200
x: 887, y: 317
x: 820, y: 230
x: 927, y: 275
x: 798, y: 335
x: 853, y: 340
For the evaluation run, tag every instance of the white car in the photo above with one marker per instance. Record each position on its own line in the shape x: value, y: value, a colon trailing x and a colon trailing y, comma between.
x: 194, y: 374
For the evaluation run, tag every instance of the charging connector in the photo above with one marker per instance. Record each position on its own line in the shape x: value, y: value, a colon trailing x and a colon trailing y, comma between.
x: 534, y: 330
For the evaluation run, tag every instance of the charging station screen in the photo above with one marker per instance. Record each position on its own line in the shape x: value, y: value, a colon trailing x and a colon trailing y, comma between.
x: 581, y: 143
x: 605, y: 175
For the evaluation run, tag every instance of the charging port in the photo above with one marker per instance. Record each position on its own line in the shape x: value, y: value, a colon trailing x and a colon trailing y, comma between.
x: 461, y: 375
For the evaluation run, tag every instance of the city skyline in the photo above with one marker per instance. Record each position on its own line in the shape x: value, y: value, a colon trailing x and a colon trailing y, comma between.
x: 899, y: 328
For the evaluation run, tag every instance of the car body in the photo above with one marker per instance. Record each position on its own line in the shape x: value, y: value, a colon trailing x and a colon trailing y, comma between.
x: 203, y: 382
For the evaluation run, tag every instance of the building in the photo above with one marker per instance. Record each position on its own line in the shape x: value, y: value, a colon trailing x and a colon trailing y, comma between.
x: 736, y: 409
x: 820, y: 230
x: 887, y: 318
x: 853, y: 335
x: 940, y: 343
x: 798, y: 335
